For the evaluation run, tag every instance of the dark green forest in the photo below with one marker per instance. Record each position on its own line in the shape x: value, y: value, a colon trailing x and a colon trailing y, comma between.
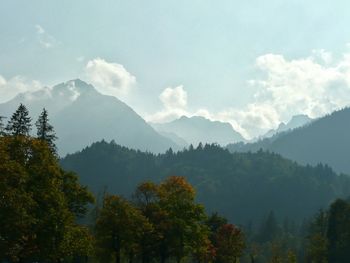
x: 241, y: 186
x: 109, y: 203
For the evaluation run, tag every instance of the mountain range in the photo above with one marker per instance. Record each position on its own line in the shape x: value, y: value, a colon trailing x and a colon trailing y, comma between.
x: 325, y: 140
x: 196, y: 129
x: 295, y: 122
x: 81, y: 116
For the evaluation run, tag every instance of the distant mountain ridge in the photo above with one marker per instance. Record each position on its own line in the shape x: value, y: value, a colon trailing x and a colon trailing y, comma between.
x: 198, y: 129
x: 81, y: 116
x: 296, y: 121
x: 325, y: 140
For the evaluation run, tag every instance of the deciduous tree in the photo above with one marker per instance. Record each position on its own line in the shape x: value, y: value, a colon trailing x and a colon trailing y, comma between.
x: 119, y: 228
x: 230, y: 244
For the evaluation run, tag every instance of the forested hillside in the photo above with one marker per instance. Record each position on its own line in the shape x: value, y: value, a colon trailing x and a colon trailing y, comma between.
x: 242, y: 186
x: 325, y: 140
x: 47, y: 216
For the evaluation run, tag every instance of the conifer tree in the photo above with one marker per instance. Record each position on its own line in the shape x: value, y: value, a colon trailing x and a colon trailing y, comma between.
x: 20, y: 122
x: 2, y: 126
x: 269, y: 229
x: 45, y: 130
x: 338, y: 231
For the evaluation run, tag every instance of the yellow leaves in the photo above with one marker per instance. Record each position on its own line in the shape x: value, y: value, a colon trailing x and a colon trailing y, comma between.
x: 146, y: 194
x: 77, y: 241
x: 176, y: 187
x: 177, y: 184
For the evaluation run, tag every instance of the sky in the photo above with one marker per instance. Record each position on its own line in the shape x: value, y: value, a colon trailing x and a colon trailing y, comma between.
x: 253, y: 64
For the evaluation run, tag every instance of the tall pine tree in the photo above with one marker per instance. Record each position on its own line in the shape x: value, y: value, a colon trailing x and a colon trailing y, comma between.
x: 2, y: 126
x: 45, y: 130
x: 19, y: 124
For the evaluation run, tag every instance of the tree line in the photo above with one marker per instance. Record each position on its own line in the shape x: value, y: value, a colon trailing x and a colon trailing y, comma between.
x: 46, y: 215
x: 20, y: 125
x: 328, y: 238
x: 40, y: 203
x: 41, y: 206
x: 241, y: 186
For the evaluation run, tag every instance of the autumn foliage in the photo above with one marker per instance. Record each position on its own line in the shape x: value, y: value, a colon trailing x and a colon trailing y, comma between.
x: 167, y: 224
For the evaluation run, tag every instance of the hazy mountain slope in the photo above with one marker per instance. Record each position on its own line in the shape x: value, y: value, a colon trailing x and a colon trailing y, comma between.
x: 81, y: 116
x: 295, y: 122
x: 241, y: 186
x: 175, y: 138
x: 198, y: 129
x: 325, y: 140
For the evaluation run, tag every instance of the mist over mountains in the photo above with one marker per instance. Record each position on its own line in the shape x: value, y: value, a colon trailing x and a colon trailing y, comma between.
x: 325, y: 140
x: 196, y: 129
x: 81, y: 116
x: 295, y: 122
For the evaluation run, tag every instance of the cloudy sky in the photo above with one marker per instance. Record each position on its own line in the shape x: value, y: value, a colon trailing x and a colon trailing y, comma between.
x: 250, y: 63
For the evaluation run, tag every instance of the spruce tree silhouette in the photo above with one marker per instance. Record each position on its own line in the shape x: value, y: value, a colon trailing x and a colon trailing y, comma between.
x: 20, y: 122
x: 45, y: 130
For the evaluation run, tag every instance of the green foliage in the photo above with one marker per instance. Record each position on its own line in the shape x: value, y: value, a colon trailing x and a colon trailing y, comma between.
x: 76, y: 195
x: 324, y: 140
x: 19, y: 124
x: 45, y: 131
x: 163, y: 223
x: 317, y: 249
x: 214, y: 222
x: 40, y: 204
x: 338, y: 232
x: 178, y: 221
x: 146, y: 198
x: 241, y: 186
x: 16, y: 203
x: 328, y: 239
x: 119, y: 227
x: 317, y: 242
x: 229, y: 244
x: 2, y: 126
x: 36, y: 216
x: 269, y: 229
x: 184, y: 227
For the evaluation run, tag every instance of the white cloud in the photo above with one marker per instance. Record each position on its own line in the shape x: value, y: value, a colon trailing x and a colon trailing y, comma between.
x: 174, y: 102
x: 315, y: 85
x: 290, y: 87
x: 174, y: 98
x: 45, y: 40
x: 324, y: 55
x: 13, y: 86
x: 109, y: 78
